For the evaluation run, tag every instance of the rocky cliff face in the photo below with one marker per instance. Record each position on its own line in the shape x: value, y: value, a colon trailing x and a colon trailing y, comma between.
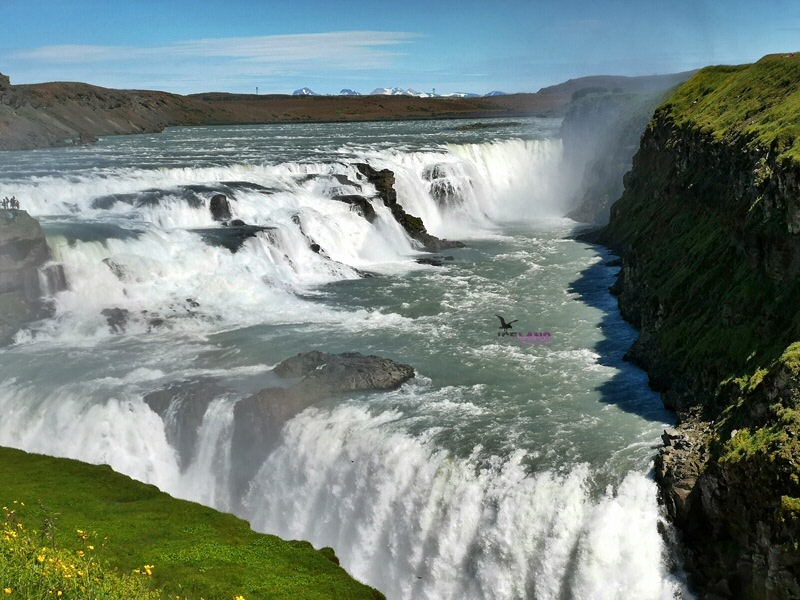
x: 708, y: 231
x: 25, y: 275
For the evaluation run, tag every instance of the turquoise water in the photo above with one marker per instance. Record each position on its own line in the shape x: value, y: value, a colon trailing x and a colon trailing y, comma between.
x: 503, y: 470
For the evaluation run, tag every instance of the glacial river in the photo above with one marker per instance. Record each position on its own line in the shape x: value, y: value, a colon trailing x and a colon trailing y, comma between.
x: 507, y: 468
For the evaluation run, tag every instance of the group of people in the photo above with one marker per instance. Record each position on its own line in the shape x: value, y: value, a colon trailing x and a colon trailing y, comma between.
x: 10, y: 203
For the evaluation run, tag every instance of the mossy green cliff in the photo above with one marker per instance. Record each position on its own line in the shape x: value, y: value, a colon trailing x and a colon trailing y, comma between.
x: 708, y: 230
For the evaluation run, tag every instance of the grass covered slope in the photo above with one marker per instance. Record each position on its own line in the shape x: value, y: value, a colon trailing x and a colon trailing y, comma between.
x: 758, y: 102
x: 191, y: 551
x: 709, y: 231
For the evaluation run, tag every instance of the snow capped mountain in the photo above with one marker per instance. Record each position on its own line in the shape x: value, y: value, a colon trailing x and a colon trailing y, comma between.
x: 398, y: 91
x: 395, y: 91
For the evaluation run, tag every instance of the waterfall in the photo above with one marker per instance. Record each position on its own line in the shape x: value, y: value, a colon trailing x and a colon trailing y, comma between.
x: 502, y: 471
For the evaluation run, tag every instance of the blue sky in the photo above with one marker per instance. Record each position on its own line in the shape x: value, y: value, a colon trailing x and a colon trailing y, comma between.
x: 278, y: 46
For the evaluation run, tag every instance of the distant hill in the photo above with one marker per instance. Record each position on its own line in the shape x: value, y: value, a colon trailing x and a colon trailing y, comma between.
x: 563, y: 92
x: 304, y: 92
x: 61, y: 114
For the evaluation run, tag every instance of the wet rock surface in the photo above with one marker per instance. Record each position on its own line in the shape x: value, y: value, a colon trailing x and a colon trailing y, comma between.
x: 359, y: 203
x: 384, y: 181
x: 232, y: 235
x: 220, y: 208
x: 182, y: 406
x: 23, y: 254
x: 258, y: 419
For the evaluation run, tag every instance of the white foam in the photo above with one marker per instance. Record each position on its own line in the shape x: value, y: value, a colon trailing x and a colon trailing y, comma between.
x: 418, y: 522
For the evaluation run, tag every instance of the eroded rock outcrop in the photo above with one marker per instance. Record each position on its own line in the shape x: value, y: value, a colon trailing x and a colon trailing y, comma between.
x: 182, y: 406
x: 24, y: 256
x: 383, y: 181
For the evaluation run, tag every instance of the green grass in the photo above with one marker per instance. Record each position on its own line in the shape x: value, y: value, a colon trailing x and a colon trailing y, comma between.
x: 195, y: 551
x: 760, y: 102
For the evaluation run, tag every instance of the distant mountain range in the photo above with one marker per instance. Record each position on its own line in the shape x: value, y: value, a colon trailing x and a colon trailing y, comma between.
x: 64, y: 113
x: 396, y: 91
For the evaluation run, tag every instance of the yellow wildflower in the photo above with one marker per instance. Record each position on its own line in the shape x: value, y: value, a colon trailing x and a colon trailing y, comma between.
x: 7, y: 591
x: 40, y: 558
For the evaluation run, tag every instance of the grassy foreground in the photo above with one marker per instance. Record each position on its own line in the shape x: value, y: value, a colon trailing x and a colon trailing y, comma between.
x: 146, y: 543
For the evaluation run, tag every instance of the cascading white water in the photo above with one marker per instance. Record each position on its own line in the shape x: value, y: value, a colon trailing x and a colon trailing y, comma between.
x: 448, y: 488
x: 469, y: 189
x: 421, y: 523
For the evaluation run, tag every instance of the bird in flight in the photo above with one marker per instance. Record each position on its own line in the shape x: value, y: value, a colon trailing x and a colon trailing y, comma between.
x: 505, y: 326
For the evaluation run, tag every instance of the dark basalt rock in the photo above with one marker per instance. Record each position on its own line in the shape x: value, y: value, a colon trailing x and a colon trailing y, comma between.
x: 182, y: 406
x: 232, y: 236
x: 117, y: 318
x: 220, y: 208
x: 360, y: 203
x: 258, y: 419
x: 434, y: 261
x: 442, y: 189
x: 153, y: 197
x: 23, y: 255
x: 383, y: 181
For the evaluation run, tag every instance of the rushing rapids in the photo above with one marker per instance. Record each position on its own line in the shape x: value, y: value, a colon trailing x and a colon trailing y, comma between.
x: 503, y: 470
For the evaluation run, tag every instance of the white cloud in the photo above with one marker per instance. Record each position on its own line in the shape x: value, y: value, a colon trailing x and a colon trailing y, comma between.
x: 356, y: 49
